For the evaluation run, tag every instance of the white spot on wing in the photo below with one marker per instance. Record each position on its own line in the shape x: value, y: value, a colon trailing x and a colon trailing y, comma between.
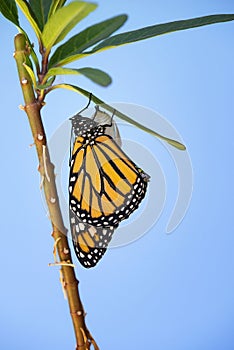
x: 92, y: 231
x: 81, y: 226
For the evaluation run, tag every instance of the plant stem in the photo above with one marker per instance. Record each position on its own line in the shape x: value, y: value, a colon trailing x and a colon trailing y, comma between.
x: 32, y: 108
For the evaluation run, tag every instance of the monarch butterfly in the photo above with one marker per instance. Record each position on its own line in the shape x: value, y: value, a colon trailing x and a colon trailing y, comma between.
x: 105, y: 187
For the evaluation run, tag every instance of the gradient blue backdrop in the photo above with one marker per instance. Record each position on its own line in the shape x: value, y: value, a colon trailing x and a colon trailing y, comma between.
x: 167, y: 292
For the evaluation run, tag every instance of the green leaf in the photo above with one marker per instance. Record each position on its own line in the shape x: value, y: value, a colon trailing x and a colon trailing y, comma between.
x: 40, y: 9
x: 159, y: 29
x: 119, y: 114
x: 63, y: 20
x: 9, y: 10
x: 31, y: 73
x: 68, y: 52
x: 96, y: 75
x: 56, y: 4
x: 27, y: 11
x: 46, y: 85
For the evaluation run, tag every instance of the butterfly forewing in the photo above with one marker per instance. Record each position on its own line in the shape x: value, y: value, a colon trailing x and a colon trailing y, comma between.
x: 105, y: 185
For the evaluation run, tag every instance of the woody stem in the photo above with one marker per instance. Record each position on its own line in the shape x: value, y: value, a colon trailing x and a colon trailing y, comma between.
x: 46, y: 168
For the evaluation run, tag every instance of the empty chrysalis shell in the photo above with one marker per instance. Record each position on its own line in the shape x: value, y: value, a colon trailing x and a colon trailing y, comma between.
x: 102, y: 118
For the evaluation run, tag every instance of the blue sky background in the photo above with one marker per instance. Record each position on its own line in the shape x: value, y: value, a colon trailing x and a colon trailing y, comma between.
x: 167, y: 292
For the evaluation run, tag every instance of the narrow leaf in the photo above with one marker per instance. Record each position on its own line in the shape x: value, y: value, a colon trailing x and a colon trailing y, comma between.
x: 96, y: 75
x: 9, y: 10
x: 56, y: 4
x: 27, y: 11
x: 68, y: 52
x: 119, y: 114
x: 159, y: 29
x: 63, y: 20
x: 40, y: 9
x: 47, y: 84
x: 31, y: 73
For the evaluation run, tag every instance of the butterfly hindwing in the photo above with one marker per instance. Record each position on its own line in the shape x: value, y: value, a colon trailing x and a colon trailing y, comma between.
x: 90, y: 243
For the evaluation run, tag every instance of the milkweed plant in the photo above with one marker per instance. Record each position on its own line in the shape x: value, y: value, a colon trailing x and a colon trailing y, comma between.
x: 39, y: 64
